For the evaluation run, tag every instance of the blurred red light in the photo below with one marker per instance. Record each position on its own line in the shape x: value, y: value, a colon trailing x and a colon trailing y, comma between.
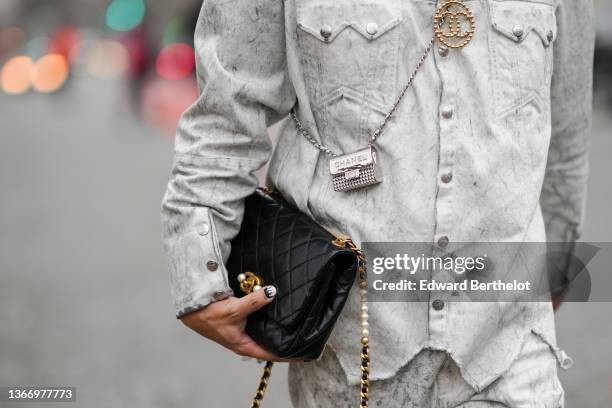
x: 175, y: 61
x: 63, y: 41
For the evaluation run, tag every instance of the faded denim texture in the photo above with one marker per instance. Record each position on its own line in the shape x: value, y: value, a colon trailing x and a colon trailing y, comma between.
x: 509, y: 116
x: 433, y: 380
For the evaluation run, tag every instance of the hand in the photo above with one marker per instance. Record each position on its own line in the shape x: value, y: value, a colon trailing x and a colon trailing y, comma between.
x: 224, y: 321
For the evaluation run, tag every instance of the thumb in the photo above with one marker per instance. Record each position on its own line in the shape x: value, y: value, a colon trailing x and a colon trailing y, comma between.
x: 256, y: 300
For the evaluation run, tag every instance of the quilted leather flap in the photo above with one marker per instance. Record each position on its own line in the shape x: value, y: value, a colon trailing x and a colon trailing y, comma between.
x: 288, y: 253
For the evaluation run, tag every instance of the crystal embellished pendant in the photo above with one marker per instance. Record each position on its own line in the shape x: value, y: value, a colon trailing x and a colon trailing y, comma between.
x: 355, y: 170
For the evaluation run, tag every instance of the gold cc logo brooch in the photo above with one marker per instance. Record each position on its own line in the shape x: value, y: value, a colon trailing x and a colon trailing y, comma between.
x: 454, y: 24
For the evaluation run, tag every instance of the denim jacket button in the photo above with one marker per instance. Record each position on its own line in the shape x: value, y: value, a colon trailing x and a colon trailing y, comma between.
x: 443, y: 241
x: 372, y: 28
x: 204, y: 229
x: 438, y: 304
x: 518, y: 30
x: 326, y: 32
x: 447, y: 112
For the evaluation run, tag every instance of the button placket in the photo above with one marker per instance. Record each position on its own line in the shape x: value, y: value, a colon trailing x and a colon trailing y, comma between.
x: 446, y: 115
x: 447, y: 147
x: 438, y: 303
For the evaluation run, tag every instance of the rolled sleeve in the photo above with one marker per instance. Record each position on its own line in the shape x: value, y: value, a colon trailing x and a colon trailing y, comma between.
x: 221, y: 140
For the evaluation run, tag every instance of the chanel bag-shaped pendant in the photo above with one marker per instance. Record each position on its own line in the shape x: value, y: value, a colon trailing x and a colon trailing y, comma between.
x: 355, y: 170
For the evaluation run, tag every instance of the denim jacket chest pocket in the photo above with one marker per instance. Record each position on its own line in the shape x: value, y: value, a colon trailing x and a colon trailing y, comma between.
x: 349, y: 54
x: 521, y: 52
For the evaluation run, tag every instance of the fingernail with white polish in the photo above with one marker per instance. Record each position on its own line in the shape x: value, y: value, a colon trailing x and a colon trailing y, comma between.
x: 270, y: 291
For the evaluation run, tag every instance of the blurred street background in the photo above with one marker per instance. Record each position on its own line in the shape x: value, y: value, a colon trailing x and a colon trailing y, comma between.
x: 90, y: 92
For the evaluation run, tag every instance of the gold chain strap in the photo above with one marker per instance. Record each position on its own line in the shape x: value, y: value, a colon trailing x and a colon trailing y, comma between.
x: 364, y: 394
x: 263, y: 384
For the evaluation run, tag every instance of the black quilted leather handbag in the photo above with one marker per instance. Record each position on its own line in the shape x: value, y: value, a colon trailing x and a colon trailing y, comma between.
x: 312, y: 270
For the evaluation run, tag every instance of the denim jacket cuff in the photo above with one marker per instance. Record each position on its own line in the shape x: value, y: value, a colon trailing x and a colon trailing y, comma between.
x: 197, y: 273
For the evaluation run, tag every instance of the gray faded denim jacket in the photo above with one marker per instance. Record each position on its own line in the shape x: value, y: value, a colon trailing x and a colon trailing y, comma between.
x: 490, y: 144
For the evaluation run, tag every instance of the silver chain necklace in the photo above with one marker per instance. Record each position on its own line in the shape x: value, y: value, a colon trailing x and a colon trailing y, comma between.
x: 380, y: 128
x: 359, y: 169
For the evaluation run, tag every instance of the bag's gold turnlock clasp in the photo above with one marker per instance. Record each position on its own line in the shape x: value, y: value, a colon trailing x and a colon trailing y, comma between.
x: 249, y: 282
